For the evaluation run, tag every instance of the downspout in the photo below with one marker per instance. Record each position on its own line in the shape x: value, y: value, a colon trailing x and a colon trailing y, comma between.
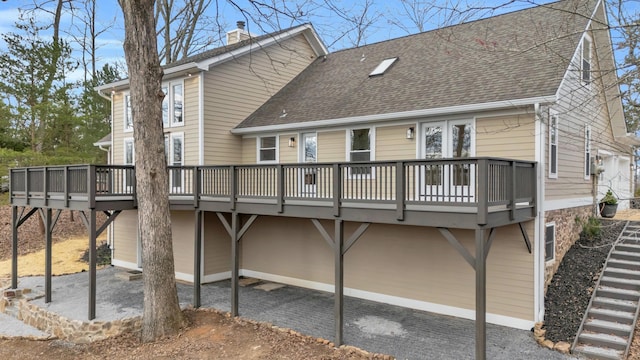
x: 538, y: 257
x: 110, y: 235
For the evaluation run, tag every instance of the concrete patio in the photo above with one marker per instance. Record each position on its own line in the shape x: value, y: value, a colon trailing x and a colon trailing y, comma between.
x: 375, y: 327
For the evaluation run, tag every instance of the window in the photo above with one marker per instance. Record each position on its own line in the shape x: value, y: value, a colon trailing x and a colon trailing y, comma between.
x: 176, y: 159
x: 383, y: 66
x: 360, y: 150
x: 553, y: 146
x: 129, y: 159
x: 550, y: 242
x: 267, y: 149
x: 129, y: 155
x: 177, y: 102
x: 172, y: 105
x: 587, y: 151
x: 128, y: 116
x: 165, y: 107
x: 586, y: 60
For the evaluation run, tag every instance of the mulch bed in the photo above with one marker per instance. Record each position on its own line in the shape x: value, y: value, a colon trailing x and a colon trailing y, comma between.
x: 570, y: 289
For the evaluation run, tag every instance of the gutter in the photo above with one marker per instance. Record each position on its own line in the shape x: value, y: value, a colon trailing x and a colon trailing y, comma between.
x: 396, y: 115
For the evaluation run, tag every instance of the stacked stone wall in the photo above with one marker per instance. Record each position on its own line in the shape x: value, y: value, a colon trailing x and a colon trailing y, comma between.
x: 568, y: 230
x: 74, y: 331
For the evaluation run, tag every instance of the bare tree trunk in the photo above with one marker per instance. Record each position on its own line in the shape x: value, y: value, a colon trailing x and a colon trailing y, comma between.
x: 162, y: 315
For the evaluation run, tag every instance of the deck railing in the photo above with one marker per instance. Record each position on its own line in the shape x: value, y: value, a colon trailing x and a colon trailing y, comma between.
x: 469, y: 182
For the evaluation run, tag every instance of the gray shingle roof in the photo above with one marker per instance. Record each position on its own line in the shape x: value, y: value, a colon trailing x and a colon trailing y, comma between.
x: 227, y: 48
x: 519, y: 55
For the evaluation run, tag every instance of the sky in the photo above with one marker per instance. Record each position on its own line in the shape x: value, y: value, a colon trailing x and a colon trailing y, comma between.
x: 388, y: 15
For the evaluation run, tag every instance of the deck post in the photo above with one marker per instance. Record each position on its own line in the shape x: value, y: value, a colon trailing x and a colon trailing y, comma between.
x: 339, y: 280
x: 235, y: 259
x: 481, y: 296
x: 197, y: 259
x: 47, y: 255
x: 14, y: 247
x: 92, y: 264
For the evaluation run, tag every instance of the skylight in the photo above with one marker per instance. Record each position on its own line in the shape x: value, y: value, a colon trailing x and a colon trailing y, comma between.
x: 384, y: 65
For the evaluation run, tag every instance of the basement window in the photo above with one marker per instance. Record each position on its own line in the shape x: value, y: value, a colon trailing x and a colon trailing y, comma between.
x: 550, y: 241
x: 384, y: 66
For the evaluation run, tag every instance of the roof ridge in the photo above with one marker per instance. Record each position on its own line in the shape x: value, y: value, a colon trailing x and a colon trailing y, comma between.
x: 510, y: 13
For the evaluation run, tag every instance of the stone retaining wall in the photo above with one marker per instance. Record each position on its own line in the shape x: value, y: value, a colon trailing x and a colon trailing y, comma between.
x: 567, y: 232
x: 74, y: 330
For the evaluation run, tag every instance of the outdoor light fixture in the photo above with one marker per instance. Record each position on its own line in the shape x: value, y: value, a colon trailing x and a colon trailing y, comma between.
x: 292, y: 141
x: 410, y: 133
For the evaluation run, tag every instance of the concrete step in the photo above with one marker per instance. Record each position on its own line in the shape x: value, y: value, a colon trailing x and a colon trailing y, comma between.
x: 615, y: 304
x: 608, y: 327
x: 625, y: 264
x: 630, y: 247
x: 620, y: 283
x: 623, y: 317
x: 604, y: 340
x: 593, y: 352
x: 622, y: 273
x: 625, y: 255
x: 615, y: 293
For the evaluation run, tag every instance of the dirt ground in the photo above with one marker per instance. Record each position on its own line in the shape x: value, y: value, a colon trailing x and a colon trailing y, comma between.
x: 209, y: 335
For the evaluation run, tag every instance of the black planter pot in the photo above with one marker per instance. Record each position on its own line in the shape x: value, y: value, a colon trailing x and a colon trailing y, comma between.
x: 607, y: 210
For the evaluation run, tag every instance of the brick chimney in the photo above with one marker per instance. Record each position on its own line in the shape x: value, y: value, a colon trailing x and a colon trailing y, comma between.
x: 237, y: 35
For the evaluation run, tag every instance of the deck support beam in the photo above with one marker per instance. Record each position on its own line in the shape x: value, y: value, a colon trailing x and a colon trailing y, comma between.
x: 235, y: 263
x: 339, y: 280
x: 17, y: 219
x: 236, y: 233
x: 481, y: 295
x: 90, y: 223
x: 340, y: 248
x: 479, y: 264
x: 92, y: 264
x: 47, y: 255
x: 14, y: 247
x: 197, y: 259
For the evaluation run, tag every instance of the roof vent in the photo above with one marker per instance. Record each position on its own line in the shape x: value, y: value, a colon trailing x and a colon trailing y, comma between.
x: 384, y: 65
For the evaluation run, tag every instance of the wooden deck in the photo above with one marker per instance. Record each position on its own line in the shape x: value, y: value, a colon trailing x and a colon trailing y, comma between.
x: 453, y: 193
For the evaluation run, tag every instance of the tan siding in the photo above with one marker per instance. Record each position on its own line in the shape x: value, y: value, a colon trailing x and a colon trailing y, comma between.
x: 288, y: 154
x: 125, y: 237
x: 392, y: 143
x: 506, y: 136
x: 249, y: 151
x: 331, y: 146
x: 191, y: 124
x: 182, y: 227
x: 420, y: 265
x: 235, y: 89
x: 217, y: 246
x: 118, y: 135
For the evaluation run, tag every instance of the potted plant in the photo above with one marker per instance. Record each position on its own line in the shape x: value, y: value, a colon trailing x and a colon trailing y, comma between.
x: 608, y: 205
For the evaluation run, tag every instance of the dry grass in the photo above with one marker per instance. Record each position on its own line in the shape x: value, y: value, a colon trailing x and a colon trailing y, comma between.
x: 65, y: 259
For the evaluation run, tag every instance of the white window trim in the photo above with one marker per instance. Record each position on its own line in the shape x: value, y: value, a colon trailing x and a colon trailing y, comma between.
x: 553, y: 256
x: 124, y: 113
x: 372, y: 150
x: 586, y: 38
x: 277, y: 157
x: 172, y: 136
x: 171, y: 95
x: 126, y: 185
x: 553, y: 114
x: 587, y: 151
x: 124, y: 152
